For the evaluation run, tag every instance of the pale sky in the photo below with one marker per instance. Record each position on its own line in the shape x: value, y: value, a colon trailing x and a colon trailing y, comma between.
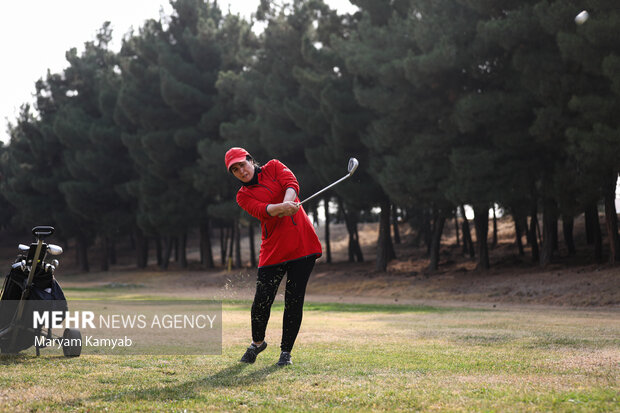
x: 35, y: 34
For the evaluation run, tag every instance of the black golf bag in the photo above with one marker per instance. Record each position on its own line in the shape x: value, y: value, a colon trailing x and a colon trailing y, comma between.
x: 44, y: 288
x: 25, y: 291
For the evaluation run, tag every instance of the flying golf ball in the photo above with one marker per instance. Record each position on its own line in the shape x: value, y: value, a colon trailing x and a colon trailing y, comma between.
x: 582, y: 17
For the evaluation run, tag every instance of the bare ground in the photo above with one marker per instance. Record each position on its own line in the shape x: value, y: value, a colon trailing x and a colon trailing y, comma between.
x: 512, y: 279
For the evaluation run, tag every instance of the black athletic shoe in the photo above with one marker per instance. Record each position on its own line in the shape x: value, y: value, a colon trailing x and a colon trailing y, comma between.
x: 252, y: 352
x: 285, y: 359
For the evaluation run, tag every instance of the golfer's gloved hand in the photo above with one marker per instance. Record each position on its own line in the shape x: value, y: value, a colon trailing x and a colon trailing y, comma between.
x: 288, y: 208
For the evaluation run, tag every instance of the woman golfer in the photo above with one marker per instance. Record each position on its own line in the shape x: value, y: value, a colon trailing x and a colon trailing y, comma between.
x: 289, y: 245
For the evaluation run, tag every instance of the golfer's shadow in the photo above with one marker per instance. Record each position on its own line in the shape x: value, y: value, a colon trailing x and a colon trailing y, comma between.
x: 228, y: 377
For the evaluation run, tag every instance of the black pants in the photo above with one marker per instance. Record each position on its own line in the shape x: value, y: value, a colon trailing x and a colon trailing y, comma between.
x: 269, y: 278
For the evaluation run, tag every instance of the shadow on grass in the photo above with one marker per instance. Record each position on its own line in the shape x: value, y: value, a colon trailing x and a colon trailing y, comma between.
x: 230, y: 376
x: 20, y: 358
x: 9, y: 359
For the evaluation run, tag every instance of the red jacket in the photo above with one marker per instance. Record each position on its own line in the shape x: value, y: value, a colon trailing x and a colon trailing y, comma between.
x: 287, y: 238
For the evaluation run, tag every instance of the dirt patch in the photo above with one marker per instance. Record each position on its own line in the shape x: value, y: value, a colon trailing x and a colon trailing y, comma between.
x: 584, y: 287
x: 512, y: 279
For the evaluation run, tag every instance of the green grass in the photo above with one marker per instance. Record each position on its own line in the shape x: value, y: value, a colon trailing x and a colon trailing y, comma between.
x: 355, y: 308
x: 114, y: 286
x: 351, y: 358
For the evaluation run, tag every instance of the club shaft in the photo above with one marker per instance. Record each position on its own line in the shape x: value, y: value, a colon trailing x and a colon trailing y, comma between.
x: 326, y: 188
x: 26, y: 292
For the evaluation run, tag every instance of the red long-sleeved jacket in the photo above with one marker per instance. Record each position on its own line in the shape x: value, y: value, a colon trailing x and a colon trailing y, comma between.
x: 287, y: 238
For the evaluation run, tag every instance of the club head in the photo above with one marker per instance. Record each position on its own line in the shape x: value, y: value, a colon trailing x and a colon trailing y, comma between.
x: 54, y: 249
x: 353, y: 164
x: 20, y: 264
x: 55, y: 263
x: 23, y: 248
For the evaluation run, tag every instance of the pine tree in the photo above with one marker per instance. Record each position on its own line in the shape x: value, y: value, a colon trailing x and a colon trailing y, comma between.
x: 24, y: 164
x: 228, y: 126
x: 494, y: 157
x: 593, y: 138
x: 263, y: 96
x: 34, y: 169
x: 7, y: 211
x: 409, y: 72
x: 169, y: 95
x: 326, y: 110
x: 534, y: 166
x: 93, y: 152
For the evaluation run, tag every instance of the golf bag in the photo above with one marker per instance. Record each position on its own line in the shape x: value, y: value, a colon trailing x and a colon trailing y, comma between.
x: 44, y: 288
x: 26, y: 290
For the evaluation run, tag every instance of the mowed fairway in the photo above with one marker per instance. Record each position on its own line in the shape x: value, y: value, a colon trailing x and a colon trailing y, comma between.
x: 352, y: 358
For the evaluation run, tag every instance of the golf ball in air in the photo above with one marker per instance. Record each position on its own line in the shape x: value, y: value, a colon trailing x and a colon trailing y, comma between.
x: 582, y: 17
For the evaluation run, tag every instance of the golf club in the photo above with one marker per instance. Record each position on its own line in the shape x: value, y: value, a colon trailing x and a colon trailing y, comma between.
x: 353, y: 164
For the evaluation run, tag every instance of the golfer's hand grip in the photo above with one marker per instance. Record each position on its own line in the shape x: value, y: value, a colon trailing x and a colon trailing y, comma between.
x: 284, y: 209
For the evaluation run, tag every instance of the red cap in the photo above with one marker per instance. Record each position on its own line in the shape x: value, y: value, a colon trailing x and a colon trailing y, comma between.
x: 235, y: 155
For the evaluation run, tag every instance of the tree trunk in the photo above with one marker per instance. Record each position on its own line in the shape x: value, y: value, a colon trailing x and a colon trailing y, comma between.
x: 201, y: 243
x: 81, y: 251
x: 531, y: 235
x: 223, y: 239
x: 238, y: 263
x: 415, y: 220
x: 468, y: 244
x: 589, y: 226
x: 427, y: 231
x: 315, y: 215
x: 168, y: 245
x: 554, y: 232
x: 132, y: 242
x: 77, y: 254
x: 350, y: 219
x: 518, y: 232
x: 438, y: 225
x: 481, y: 222
x: 456, y: 228
x: 328, y: 249
x: 567, y: 230
x: 231, y: 244
x: 611, y: 222
x: 391, y: 250
x: 105, y: 254
x: 206, y: 251
x: 549, y: 217
x: 524, y: 228
x: 182, y: 242
x: 385, y: 249
x: 142, y: 249
x: 595, y: 226
x: 158, y: 250
x: 395, y: 225
x: 252, y: 248
x: 494, y: 227
x: 112, y: 251
x: 355, y: 249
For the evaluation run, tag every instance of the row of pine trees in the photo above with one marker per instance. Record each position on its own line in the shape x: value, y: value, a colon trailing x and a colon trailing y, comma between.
x: 445, y: 103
